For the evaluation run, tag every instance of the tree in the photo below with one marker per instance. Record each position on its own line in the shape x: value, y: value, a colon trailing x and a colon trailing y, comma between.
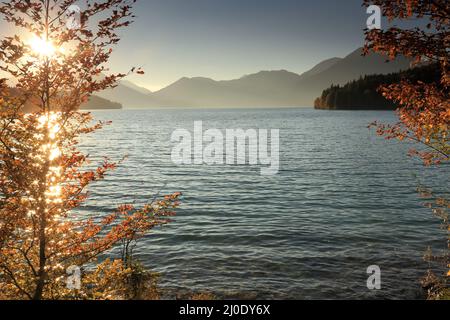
x: 43, y: 175
x: 424, y: 108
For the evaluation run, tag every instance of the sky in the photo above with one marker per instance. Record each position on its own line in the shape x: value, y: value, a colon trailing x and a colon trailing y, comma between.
x: 226, y: 39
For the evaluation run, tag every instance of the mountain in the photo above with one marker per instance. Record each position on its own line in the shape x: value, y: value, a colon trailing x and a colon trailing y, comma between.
x: 191, y: 92
x: 129, y: 95
x: 362, y: 94
x: 266, y: 88
x: 133, y: 86
x: 321, y: 67
x: 355, y: 65
x: 279, y: 88
x: 94, y: 103
x: 350, y: 68
x: 97, y: 103
x: 276, y: 88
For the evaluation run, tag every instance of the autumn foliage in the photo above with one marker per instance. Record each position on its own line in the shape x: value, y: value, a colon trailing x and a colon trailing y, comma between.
x: 44, y: 177
x: 424, y: 108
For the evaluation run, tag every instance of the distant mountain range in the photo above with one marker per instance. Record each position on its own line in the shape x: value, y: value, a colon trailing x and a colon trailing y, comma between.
x: 263, y: 89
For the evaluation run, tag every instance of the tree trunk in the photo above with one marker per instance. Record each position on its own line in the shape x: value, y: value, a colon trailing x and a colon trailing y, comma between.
x: 42, y: 274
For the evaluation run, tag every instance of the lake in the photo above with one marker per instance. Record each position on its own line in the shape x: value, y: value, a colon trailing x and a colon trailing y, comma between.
x: 343, y: 200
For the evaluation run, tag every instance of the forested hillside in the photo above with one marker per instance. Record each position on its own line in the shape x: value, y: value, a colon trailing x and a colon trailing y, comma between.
x: 363, y: 94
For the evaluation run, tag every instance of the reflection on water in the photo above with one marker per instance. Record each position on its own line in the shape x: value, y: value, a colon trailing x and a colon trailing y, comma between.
x: 342, y: 201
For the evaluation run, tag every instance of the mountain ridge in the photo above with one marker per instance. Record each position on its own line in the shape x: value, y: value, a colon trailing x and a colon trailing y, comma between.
x: 321, y: 67
x: 275, y: 88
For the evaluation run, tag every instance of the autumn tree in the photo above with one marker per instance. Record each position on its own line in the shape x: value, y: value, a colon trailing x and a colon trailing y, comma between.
x: 424, y: 108
x: 49, y: 70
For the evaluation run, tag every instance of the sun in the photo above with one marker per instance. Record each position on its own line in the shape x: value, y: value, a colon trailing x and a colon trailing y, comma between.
x: 42, y: 47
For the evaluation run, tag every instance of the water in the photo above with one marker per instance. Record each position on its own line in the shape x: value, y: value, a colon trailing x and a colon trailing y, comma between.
x: 342, y: 201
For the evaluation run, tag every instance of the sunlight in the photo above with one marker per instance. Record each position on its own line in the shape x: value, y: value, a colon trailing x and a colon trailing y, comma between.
x: 42, y: 47
x: 51, y: 152
x: 51, y: 122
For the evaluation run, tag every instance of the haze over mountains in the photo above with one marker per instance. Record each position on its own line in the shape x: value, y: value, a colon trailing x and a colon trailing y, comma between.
x: 94, y: 102
x: 263, y: 89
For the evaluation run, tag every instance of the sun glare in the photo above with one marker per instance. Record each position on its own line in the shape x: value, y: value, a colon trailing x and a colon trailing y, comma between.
x: 51, y: 150
x: 42, y: 47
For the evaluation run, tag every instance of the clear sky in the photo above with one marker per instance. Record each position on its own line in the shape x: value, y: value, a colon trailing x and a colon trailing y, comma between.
x: 225, y: 39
